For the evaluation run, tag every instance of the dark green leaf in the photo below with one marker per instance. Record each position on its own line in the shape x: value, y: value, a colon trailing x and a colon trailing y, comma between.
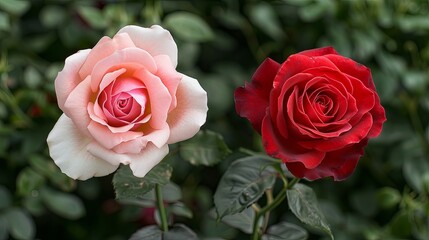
x: 4, y: 228
x: 180, y: 209
x: 21, y: 225
x: 34, y: 205
x: 303, y: 204
x: 206, y: 148
x: 65, y: 205
x: 4, y: 22
x: 312, y: 12
x: 413, y: 23
x: 388, y: 197
x: 188, y: 26
x: 14, y: 6
x: 171, y: 192
x: 93, y: 16
x: 127, y: 186
x: 5, y: 198
x: 52, y: 16
x: 414, y: 170
x: 285, y: 231
x: 178, y: 231
x: 243, y: 183
x: 400, y: 225
x: 28, y: 180
x: 62, y: 181
x: 242, y: 220
x: 148, y: 233
x: 264, y: 17
x: 365, y: 202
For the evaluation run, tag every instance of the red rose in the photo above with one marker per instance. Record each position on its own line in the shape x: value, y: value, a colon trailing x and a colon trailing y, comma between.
x: 316, y: 112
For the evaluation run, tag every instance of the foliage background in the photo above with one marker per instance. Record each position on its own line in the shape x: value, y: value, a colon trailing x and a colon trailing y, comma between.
x: 220, y: 43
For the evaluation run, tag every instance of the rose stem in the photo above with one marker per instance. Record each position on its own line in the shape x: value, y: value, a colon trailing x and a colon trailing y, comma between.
x: 161, y: 208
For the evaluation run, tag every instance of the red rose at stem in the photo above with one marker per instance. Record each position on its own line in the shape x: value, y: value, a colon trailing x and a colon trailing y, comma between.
x: 316, y: 112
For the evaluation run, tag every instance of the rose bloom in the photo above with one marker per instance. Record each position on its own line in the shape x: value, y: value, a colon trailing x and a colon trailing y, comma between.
x: 123, y: 102
x: 316, y: 112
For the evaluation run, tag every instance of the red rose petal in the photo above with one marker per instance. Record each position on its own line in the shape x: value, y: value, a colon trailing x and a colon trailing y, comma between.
x: 251, y: 100
x: 318, y: 52
x: 286, y: 149
x: 355, y: 135
x: 337, y: 164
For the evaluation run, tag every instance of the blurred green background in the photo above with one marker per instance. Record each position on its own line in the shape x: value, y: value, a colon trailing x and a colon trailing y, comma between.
x: 220, y: 43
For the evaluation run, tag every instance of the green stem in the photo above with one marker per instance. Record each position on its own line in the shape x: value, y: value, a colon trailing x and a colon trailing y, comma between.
x: 272, y: 203
x: 161, y: 208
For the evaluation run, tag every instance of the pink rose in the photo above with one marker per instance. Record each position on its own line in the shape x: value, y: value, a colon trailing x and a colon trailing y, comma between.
x: 124, y: 102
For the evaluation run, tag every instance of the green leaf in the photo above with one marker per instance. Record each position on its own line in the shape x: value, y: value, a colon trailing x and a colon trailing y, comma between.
x: 180, y: 209
x: 265, y: 18
x: 365, y: 202
x: 188, y: 26
x: 32, y: 77
x: 65, y: 205
x: 53, y: 16
x: 414, y: 170
x: 243, y: 183
x: 148, y: 233
x: 16, y: 7
x: 303, y: 204
x: 285, y: 231
x: 178, y: 231
x: 4, y: 228
x: 21, y: 225
x: 28, y: 180
x: 388, y: 197
x: 400, y: 225
x: 242, y: 220
x: 413, y: 23
x: 171, y: 192
x: 93, y: 16
x: 127, y: 186
x: 34, y: 205
x: 5, y: 198
x: 4, y: 22
x: 312, y: 12
x: 205, y: 148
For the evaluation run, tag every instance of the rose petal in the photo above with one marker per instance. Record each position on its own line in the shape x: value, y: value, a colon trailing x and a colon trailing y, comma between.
x: 251, y: 100
x: 126, y: 58
x: 355, y: 135
x: 155, y: 40
x: 68, y: 78
x: 143, y: 162
x: 299, y: 64
x: 379, y: 117
x: 75, y: 107
x: 168, y: 75
x: 352, y: 68
x: 102, y: 49
x: 107, y: 138
x: 160, y: 98
x: 158, y: 137
x: 318, y: 52
x: 191, y: 111
x: 140, y: 163
x: 68, y: 149
x: 287, y: 150
x: 337, y: 164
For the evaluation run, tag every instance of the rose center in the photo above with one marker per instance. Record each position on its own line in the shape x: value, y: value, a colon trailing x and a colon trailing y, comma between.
x: 123, y: 103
